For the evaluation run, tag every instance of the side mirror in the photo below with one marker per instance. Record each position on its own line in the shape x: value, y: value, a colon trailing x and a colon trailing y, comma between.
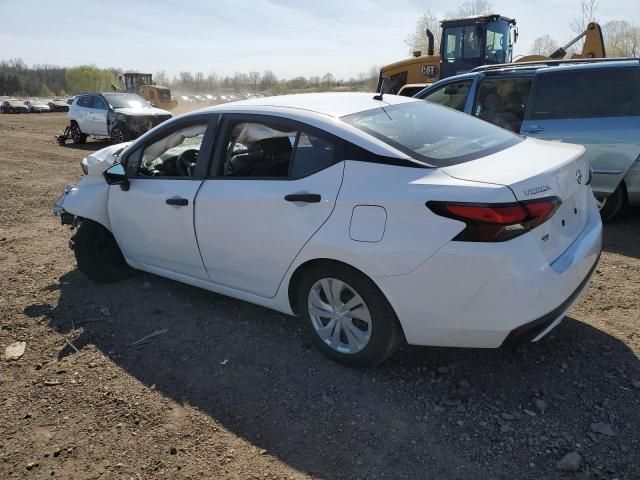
x: 116, y: 175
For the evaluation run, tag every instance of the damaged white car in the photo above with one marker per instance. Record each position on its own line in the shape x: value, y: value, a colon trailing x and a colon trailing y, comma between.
x: 375, y: 220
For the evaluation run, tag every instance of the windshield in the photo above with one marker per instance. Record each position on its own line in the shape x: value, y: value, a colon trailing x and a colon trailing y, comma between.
x: 461, y: 42
x: 125, y: 100
x: 432, y: 134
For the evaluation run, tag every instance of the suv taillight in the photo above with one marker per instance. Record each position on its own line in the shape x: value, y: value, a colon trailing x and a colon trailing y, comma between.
x: 497, y: 222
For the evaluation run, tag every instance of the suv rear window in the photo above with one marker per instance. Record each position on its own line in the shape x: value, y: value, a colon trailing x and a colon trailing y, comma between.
x: 432, y: 134
x: 587, y: 94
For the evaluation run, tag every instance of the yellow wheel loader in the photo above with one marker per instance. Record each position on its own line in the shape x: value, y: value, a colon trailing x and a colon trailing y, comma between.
x: 143, y: 85
x: 466, y: 43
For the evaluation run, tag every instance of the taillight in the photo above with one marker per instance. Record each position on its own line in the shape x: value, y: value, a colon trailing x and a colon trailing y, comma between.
x: 497, y: 222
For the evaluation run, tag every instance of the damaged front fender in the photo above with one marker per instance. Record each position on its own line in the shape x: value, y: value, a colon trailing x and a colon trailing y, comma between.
x: 87, y: 199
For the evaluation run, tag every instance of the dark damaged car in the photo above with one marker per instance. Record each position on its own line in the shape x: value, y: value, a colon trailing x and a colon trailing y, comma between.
x: 121, y: 116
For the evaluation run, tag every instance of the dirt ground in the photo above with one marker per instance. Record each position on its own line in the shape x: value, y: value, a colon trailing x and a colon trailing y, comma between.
x: 232, y: 390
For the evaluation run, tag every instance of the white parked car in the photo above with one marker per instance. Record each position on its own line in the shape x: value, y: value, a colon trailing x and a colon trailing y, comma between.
x: 373, y: 220
x: 37, y: 106
x: 121, y: 116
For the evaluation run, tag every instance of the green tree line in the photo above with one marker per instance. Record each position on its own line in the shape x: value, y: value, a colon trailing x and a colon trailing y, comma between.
x: 16, y: 78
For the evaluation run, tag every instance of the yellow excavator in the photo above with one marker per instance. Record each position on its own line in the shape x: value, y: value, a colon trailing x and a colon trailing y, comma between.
x: 143, y: 85
x: 470, y: 42
x: 593, y: 47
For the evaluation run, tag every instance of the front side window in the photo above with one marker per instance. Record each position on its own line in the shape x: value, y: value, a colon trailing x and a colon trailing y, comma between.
x: 587, y: 94
x: 452, y: 95
x: 174, y: 155
x: 502, y: 101
x: 99, y: 103
x: 497, y: 48
x: 432, y: 135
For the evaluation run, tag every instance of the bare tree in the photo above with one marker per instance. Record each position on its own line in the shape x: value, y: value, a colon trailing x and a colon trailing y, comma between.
x: 621, y: 39
x: 587, y: 15
x: 417, y: 41
x: 544, y: 45
x: 471, y: 8
x: 268, y: 80
x: 161, y: 78
x: 254, y: 80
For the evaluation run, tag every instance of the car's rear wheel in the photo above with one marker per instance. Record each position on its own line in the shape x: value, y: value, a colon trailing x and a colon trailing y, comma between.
x: 97, y: 253
x: 611, y: 205
x: 347, y: 316
x: 77, y: 135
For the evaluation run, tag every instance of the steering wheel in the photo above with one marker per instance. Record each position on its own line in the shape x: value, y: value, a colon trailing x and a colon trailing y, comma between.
x: 186, y: 162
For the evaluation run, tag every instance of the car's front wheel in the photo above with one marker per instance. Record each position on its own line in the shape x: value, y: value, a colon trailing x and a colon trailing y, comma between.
x: 347, y: 316
x: 97, y: 253
x: 119, y: 134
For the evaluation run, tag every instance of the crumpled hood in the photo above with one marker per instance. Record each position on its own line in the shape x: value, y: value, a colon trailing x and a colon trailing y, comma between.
x: 141, y: 111
x: 99, y: 161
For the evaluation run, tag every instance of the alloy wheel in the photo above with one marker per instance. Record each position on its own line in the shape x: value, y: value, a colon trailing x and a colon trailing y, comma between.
x: 117, y: 135
x: 339, y: 315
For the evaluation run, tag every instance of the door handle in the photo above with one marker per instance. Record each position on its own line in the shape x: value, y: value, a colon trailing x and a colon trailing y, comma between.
x: 303, y: 197
x: 534, y: 129
x: 177, y: 201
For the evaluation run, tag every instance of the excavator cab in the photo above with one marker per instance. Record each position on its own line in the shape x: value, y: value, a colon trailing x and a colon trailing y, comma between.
x: 473, y: 41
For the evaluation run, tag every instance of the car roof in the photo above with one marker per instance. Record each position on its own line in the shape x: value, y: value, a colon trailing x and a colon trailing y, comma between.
x: 332, y: 104
x: 557, y: 65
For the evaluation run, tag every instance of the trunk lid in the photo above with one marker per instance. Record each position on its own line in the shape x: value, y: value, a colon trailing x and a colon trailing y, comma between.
x: 536, y: 169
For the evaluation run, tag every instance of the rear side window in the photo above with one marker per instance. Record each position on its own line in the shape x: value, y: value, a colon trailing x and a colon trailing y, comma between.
x: 313, y: 154
x: 85, y: 101
x: 270, y: 150
x: 587, y: 94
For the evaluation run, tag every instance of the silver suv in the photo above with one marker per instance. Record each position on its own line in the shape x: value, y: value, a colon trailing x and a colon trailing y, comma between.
x: 594, y: 103
x: 121, y: 116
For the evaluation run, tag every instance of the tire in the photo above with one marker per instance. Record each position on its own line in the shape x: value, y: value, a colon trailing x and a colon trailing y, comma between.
x: 611, y: 205
x: 380, y: 334
x: 98, y: 255
x: 76, y: 134
x: 119, y: 134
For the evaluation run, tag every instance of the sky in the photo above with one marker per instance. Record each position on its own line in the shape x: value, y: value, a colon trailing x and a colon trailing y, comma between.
x: 289, y: 37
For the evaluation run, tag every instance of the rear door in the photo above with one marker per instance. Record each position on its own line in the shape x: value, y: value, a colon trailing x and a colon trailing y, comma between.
x: 274, y: 184
x: 82, y: 114
x: 598, y: 108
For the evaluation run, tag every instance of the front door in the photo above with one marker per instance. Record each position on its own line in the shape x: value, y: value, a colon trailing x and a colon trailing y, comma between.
x: 98, y: 116
x: 153, y: 221
x: 275, y: 186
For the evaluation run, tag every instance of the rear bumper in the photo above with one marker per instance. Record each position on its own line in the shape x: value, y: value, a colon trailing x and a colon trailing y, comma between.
x: 535, y: 330
x: 477, y: 294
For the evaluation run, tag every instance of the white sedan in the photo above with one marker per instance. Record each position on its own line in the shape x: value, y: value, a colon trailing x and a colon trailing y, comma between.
x: 377, y: 221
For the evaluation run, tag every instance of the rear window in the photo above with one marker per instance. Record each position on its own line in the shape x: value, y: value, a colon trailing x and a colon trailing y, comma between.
x: 587, y: 93
x: 432, y: 134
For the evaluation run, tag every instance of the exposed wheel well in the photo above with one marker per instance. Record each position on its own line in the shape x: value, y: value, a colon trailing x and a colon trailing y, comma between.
x: 302, y: 268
